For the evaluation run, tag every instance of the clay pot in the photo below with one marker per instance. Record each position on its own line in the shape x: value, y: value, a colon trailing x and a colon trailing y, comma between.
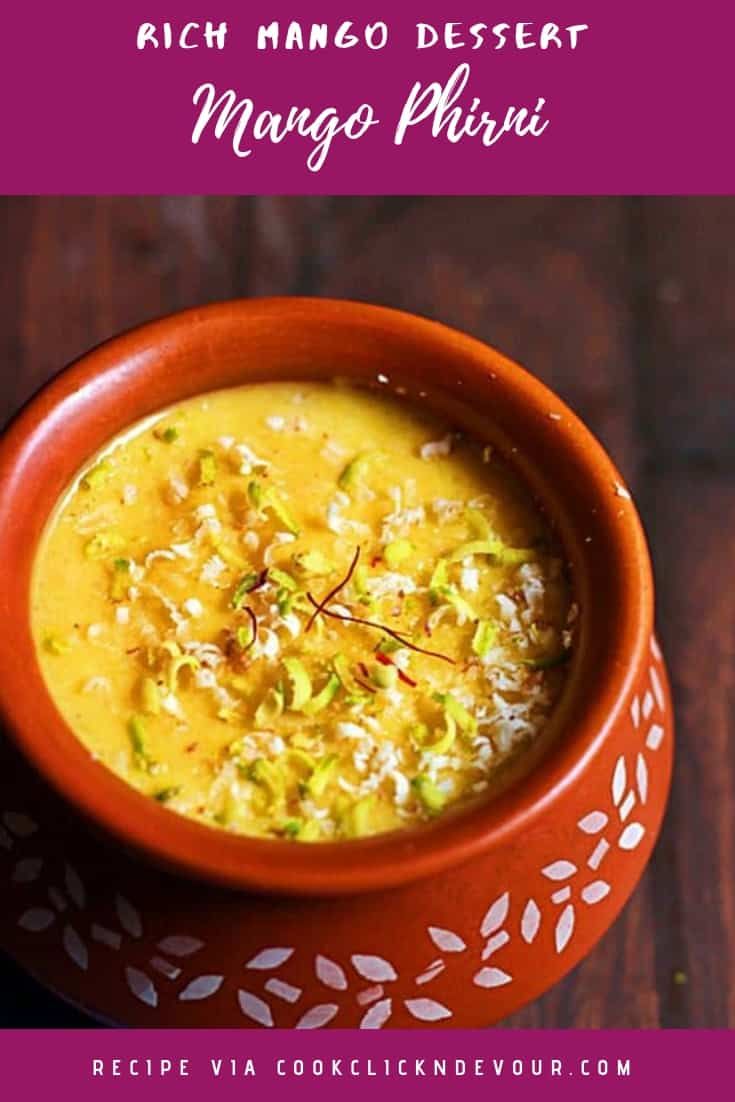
x: 465, y: 919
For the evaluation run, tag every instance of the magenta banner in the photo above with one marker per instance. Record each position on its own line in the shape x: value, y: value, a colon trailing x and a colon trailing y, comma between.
x: 559, y: 97
x: 227, y: 1064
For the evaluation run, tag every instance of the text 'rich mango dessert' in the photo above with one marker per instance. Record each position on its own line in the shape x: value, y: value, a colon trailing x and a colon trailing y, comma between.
x: 302, y: 611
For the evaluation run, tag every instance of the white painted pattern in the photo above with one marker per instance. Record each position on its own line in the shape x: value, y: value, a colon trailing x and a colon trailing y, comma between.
x: 268, y: 959
x: 596, y: 857
x: 178, y: 946
x: 647, y: 708
x: 595, y: 891
x: 203, y: 987
x: 559, y: 870
x: 330, y: 973
x: 283, y: 990
x: 530, y: 921
x: 564, y: 928
x: 128, y: 917
x: 318, y: 1016
x: 27, y: 870
x: 370, y: 994
x: 495, y: 915
x: 619, y: 780
x: 255, y: 1008
x: 427, y: 1010
x: 494, y: 943
x: 430, y: 973
x: 142, y: 986
x: 593, y: 823
x: 655, y: 736
x: 377, y: 1016
x: 75, y: 948
x: 165, y: 967
x: 36, y: 919
x: 374, y: 968
x: 491, y: 977
x: 75, y: 887
x: 446, y: 940
x: 562, y: 895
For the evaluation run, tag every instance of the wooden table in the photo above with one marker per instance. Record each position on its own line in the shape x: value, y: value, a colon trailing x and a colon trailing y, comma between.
x: 627, y: 308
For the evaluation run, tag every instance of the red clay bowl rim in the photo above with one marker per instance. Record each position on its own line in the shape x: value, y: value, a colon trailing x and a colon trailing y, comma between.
x: 343, y: 867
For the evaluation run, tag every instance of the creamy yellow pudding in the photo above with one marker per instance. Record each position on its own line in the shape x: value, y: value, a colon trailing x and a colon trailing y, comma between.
x: 301, y: 611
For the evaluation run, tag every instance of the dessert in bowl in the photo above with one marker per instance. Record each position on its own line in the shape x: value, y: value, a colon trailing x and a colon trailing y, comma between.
x: 307, y: 667
x: 300, y: 571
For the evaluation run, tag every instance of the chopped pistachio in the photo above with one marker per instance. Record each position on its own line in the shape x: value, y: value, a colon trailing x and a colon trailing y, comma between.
x: 138, y: 734
x: 227, y: 715
x: 324, y: 697
x: 120, y: 579
x: 246, y: 584
x: 270, y: 707
x: 354, y: 472
x: 455, y: 710
x: 349, y: 684
x: 446, y: 741
x: 207, y: 467
x: 496, y: 549
x: 484, y: 638
x: 284, y: 601
x: 461, y: 606
x: 255, y: 493
x: 512, y: 556
x: 385, y: 677
x: 104, y: 544
x: 356, y: 822
x: 359, y: 583
x: 54, y: 644
x: 301, y: 759
x: 282, y: 579
x: 547, y: 662
x: 179, y: 663
x: 300, y: 683
x: 322, y: 775
x: 269, y: 776
x: 439, y: 580
x: 418, y: 733
x: 245, y: 636
x: 310, y: 831
x: 97, y: 475
x: 314, y: 562
x: 432, y: 797
x: 397, y: 552
x: 168, y: 434
x: 275, y: 502
x: 165, y: 794
x: 226, y: 553
x: 150, y: 697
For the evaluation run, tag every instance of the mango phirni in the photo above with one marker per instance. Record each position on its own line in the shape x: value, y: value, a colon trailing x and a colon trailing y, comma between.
x: 301, y: 611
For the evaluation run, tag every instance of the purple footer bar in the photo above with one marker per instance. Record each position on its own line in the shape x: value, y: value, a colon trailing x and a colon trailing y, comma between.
x: 229, y: 1064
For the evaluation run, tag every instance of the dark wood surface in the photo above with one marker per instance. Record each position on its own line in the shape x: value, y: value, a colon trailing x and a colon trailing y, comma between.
x: 627, y: 308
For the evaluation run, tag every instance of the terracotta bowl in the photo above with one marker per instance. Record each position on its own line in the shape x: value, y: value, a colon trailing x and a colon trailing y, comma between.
x: 471, y: 916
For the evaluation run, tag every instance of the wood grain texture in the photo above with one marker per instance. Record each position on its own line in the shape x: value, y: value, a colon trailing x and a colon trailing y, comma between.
x: 627, y: 308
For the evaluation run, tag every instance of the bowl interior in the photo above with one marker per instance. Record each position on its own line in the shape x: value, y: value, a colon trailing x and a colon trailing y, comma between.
x: 462, y: 380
